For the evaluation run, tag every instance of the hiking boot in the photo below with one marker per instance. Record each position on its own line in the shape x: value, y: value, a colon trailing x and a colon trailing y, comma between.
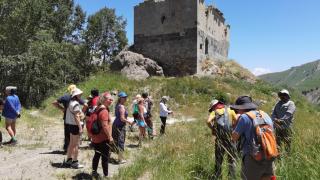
x: 76, y: 165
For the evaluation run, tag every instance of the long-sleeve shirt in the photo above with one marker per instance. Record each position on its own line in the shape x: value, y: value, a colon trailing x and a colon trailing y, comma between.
x: 12, y: 107
x: 164, y: 110
x: 284, y: 112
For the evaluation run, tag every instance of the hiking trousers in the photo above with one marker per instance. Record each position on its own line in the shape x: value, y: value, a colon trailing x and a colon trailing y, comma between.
x: 101, y: 150
x: 163, y: 125
x: 66, y: 137
x: 284, y: 136
x: 223, y: 146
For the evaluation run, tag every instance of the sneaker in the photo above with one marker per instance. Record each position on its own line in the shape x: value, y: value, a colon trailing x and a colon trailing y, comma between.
x: 122, y: 161
x: 13, y: 141
x: 95, y: 175
x: 67, y: 163
x: 76, y: 165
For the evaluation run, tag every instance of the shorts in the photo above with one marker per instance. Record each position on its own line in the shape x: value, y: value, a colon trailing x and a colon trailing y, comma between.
x: 73, y: 129
x: 252, y: 169
x: 8, y: 120
x: 140, y: 123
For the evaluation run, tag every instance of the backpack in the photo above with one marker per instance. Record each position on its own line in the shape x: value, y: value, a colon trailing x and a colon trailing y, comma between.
x: 135, y: 113
x: 93, y: 125
x: 264, y: 145
x: 223, y: 120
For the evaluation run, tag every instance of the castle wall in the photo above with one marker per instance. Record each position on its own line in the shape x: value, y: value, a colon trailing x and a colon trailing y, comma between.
x: 213, y: 33
x: 180, y: 34
x: 166, y: 32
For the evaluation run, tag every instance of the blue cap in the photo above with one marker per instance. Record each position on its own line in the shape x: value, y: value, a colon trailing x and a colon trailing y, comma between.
x: 122, y: 95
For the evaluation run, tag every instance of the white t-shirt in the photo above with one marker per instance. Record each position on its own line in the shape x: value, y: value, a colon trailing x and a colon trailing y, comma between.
x: 164, y: 110
x: 73, y: 108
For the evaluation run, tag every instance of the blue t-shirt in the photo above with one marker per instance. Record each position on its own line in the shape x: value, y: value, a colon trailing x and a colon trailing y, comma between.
x: 246, y: 130
x: 12, y: 107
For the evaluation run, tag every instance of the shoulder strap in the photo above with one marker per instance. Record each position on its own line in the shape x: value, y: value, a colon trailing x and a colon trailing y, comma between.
x: 257, y: 117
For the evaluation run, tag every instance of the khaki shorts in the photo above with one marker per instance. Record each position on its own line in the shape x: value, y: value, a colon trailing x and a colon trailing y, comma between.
x: 8, y: 120
x: 253, y: 170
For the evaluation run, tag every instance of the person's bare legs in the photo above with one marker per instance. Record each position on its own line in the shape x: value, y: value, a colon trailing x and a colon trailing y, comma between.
x: 9, y: 128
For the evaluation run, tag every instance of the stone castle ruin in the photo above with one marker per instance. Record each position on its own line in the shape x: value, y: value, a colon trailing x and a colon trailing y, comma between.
x: 180, y: 34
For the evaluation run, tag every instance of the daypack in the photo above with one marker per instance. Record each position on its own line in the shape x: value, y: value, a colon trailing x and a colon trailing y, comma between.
x: 93, y: 125
x: 135, y: 113
x: 264, y: 145
x: 223, y: 120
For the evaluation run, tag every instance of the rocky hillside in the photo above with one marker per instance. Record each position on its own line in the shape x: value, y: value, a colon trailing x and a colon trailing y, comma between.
x: 305, y: 78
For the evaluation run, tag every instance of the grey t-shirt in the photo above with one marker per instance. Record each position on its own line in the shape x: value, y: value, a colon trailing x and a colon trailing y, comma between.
x: 285, y: 112
x: 72, y: 110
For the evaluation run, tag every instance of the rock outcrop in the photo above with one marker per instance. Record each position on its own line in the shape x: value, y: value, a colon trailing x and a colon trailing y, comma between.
x: 135, y: 66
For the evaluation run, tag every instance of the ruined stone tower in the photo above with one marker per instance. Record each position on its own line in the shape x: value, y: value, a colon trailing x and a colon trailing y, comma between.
x: 180, y: 34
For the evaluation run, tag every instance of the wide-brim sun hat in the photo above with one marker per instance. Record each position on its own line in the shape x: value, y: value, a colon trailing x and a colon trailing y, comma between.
x: 213, y: 103
x: 244, y: 103
x: 76, y: 92
x: 71, y: 88
x: 284, y: 91
x: 122, y: 95
x: 165, y: 98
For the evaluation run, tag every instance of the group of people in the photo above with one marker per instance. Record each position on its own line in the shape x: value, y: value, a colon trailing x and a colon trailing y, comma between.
x: 11, y: 108
x: 112, y: 131
x: 235, y: 129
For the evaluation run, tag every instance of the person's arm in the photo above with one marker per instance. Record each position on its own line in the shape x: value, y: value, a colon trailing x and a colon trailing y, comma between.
x: 273, y: 114
x: 58, y: 105
x: 164, y: 108
x: 18, y: 106
x: 287, y: 117
x: 105, y: 124
x: 210, y: 121
x: 77, y: 116
x: 241, y: 127
x: 122, y: 111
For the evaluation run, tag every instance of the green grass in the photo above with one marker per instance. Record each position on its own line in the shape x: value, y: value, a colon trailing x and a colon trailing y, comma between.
x: 186, y: 152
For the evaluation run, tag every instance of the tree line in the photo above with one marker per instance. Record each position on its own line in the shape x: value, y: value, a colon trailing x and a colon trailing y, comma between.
x: 46, y: 44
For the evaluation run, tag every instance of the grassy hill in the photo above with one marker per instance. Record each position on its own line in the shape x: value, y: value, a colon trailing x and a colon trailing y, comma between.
x: 303, y: 78
x: 187, y: 152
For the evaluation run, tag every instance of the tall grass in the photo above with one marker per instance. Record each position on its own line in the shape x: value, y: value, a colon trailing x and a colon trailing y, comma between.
x: 186, y: 152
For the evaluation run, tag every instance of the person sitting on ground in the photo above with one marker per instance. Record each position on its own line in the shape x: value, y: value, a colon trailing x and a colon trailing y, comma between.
x: 101, y: 142
x: 220, y: 121
x: 251, y: 169
x: 282, y: 116
x: 119, y: 126
x: 1, y: 108
x: 62, y: 103
x: 164, y: 112
x: 73, y: 123
x: 148, y: 103
x: 11, y: 111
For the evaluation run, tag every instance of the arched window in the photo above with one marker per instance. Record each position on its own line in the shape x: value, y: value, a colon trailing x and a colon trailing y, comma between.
x: 206, y: 46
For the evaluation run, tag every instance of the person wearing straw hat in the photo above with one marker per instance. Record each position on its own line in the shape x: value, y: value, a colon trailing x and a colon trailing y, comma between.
x: 73, y: 123
x: 220, y: 121
x: 62, y: 104
x: 11, y: 111
x: 251, y: 169
x: 282, y: 116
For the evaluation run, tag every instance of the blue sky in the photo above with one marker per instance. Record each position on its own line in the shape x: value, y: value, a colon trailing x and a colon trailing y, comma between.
x: 266, y: 35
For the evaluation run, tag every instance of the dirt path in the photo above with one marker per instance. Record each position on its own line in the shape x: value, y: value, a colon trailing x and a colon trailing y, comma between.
x: 38, y: 154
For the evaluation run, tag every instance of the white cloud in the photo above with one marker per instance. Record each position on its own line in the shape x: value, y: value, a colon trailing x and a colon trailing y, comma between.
x: 259, y: 71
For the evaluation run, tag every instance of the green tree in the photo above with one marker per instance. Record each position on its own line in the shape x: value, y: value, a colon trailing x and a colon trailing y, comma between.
x: 105, y: 35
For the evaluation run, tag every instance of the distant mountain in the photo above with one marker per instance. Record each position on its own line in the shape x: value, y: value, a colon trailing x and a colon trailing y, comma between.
x: 305, y: 78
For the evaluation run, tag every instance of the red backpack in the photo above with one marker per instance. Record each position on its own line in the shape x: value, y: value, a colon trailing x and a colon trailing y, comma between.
x: 93, y: 124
